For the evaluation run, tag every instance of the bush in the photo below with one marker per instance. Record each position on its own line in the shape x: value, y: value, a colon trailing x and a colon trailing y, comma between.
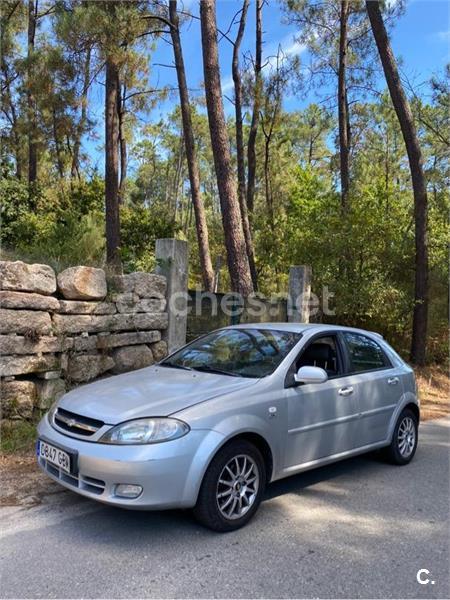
x: 140, y: 228
x: 61, y: 228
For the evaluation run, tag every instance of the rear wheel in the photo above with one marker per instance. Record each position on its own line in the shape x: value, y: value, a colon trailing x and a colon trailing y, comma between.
x: 232, y: 487
x: 404, y: 440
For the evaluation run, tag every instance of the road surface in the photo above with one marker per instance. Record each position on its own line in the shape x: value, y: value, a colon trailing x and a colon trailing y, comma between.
x: 357, y: 529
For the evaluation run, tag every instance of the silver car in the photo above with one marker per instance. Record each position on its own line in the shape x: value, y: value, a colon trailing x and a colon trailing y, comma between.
x: 208, y: 427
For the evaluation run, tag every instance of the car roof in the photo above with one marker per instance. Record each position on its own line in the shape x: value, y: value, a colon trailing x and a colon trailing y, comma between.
x: 302, y: 327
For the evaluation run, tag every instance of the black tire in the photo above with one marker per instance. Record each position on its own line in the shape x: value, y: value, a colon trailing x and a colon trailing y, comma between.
x: 394, y: 453
x: 207, y: 510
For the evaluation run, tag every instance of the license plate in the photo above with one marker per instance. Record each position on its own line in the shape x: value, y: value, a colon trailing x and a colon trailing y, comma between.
x: 54, y: 455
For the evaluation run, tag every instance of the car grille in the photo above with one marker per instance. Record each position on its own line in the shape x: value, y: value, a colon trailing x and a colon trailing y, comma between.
x: 81, y: 482
x: 78, y: 424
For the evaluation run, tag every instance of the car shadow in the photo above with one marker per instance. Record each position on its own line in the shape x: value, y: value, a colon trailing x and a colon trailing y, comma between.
x: 295, y: 484
x: 361, y: 468
x: 123, y: 524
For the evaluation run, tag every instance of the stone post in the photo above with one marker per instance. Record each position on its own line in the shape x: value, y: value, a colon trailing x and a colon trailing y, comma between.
x: 172, y: 262
x: 299, y: 294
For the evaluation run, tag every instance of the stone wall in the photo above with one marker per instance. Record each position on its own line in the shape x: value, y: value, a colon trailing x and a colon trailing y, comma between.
x: 58, y: 331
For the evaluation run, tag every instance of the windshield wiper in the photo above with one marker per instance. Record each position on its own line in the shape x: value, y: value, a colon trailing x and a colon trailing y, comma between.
x: 207, y: 369
x: 168, y: 363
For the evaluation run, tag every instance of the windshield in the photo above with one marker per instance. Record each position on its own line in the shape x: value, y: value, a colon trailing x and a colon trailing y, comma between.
x: 236, y: 352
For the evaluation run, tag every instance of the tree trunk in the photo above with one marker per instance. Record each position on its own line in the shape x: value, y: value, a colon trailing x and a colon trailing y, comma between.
x: 240, y: 146
x: 175, y: 185
x: 387, y: 175
x: 31, y: 103
x: 17, y: 140
x: 344, y: 144
x: 6, y: 95
x: 231, y: 215
x: 122, y: 140
x: 405, y: 117
x: 310, y: 150
x: 191, y: 154
x: 59, y: 158
x: 8, y: 104
x: 112, y: 166
x: 75, y: 169
x: 270, y: 119
x: 268, y: 193
x: 251, y: 146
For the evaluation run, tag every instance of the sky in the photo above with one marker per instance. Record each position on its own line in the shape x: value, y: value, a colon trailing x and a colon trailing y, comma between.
x: 420, y: 40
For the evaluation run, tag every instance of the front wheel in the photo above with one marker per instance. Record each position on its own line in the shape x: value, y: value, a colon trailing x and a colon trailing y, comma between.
x: 404, y: 440
x: 232, y: 487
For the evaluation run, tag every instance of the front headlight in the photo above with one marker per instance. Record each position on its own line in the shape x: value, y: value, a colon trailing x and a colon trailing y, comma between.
x: 146, y: 431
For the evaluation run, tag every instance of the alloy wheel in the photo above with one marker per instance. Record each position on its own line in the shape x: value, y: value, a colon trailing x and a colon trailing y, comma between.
x: 237, y: 487
x: 406, y: 437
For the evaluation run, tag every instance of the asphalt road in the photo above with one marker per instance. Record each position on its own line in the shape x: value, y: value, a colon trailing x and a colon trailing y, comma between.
x: 357, y: 529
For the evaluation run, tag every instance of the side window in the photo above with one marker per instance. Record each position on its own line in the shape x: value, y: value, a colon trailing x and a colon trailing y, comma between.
x: 322, y: 352
x: 365, y: 354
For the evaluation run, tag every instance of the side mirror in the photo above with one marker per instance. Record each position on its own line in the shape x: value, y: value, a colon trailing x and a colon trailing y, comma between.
x: 310, y: 375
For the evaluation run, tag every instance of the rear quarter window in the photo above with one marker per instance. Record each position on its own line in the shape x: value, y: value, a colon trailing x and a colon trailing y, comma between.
x: 365, y: 354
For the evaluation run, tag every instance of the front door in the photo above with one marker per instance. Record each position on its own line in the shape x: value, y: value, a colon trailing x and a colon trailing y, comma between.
x: 322, y: 417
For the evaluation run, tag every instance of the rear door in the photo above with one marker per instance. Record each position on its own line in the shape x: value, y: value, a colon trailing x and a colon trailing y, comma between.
x: 378, y: 385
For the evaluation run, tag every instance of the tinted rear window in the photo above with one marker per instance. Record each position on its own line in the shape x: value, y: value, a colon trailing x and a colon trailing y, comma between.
x: 365, y: 354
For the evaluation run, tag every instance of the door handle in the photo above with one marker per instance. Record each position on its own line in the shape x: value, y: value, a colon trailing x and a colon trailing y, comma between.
x: 345, y: 391
x: 393, y: 380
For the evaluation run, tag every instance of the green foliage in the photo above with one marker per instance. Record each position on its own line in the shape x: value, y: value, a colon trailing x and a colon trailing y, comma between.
x: 69, y: 239
x: 15, y: 205
x: 140, y: 228
x: 61, y: 229
x: 86, y: 196
x: 17, y: 437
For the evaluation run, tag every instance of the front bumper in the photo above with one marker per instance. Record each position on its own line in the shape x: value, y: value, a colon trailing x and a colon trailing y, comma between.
x: 170, y: 473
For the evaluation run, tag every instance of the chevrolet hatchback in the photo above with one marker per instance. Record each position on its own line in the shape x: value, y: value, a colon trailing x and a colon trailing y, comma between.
x: 208, y: 427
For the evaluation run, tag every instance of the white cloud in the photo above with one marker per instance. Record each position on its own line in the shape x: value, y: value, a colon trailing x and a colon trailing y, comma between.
x: 295, y: 49
x: 443, y: 36
x: 289, y: 47
x: 439, y: 37
x: 227, y: 84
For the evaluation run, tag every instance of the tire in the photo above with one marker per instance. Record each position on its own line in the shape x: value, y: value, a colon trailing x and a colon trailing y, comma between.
x: 232, y: 487
x: 404, y: 439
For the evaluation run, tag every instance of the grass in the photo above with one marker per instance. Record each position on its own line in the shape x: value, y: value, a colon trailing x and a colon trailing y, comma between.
x: 17, y: 437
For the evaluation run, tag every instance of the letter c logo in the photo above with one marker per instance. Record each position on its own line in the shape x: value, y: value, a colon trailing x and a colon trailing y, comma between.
x: 420, y: 578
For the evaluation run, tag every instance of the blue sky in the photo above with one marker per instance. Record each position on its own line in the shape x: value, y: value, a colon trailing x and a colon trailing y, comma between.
x: 420, y: 39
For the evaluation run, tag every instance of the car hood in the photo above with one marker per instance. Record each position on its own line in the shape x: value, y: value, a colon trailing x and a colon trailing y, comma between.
x: 150, y: 392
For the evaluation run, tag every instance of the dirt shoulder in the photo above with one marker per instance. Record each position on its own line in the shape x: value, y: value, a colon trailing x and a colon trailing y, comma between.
x: 434, y: 391
x: 23, y: 484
